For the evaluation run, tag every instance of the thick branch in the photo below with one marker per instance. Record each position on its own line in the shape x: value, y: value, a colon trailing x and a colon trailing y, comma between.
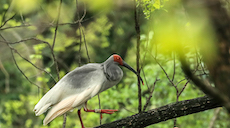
x: 218, y: 63
x: 207, y: 89
x: 164, y: 113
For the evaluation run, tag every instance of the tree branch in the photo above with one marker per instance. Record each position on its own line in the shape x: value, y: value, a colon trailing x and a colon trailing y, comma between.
x: 138, y: 32
x: 207, y: 89
x: 55, y: 34
x: 15, y: 62
x: 150, y: 95
x: 8, y: 43
x: 218, y: 63
x: 164, y: 113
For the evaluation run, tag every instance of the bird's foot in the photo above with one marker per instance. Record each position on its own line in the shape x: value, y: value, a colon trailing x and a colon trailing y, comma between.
x: 101, y: 111
x: 106, y: 111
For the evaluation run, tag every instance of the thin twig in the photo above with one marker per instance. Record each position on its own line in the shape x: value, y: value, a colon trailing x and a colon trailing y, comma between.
x: 79, y: 25
x: 27, y: 59
x: 83, y: 33
x: 4, y: 16
x: 164, y: 71
x: 55, y: 61
x: 47, y: 25
x: 33, y: 38
x: 15, y: 62
x: 83, y: 16
x: 19, y: 26
x: 7, y: 77
x: 174, y: 67
x: 146, y: 82
x: 178, y: 95
x: 64, y: 120
x: 150, y: 95
x: 55, y: 35
x: 200, y: 62
x: 35, y: 65
x: 99, y: 103
x: 7, y: 21
x: 181, y: 81
x: 147, y: 42
x: 86, y: 45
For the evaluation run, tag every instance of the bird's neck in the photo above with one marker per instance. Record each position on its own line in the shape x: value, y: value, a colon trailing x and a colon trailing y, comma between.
x: 112, y: 72
x: 105, y: 67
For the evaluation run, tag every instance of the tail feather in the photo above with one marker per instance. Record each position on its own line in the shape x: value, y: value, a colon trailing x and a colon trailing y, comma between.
x: 44, y: 103
x: 50, y: 117
x: 67, y: 104
x: 59, y: 109
x: 42, y: 110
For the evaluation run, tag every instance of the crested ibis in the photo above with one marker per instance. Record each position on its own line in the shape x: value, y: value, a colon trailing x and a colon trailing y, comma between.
x: 79, y: 85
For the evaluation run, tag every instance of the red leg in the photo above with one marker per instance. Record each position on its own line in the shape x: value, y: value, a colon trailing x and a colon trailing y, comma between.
x: 106, y: 111
x: 79, y: 114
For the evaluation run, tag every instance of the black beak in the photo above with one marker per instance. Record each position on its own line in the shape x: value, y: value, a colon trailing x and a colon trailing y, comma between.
x: 130, y: 68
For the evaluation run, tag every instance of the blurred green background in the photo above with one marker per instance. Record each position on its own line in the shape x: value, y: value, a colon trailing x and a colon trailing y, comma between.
x: 107, y: 27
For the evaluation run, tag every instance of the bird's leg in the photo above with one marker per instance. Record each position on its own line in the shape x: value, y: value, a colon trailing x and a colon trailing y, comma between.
x: 106, y: 111
x: 79, y: 114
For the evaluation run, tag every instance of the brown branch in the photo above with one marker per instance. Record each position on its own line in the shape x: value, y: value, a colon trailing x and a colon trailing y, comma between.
x: 55, y: 61
x: 55, y: 34
x: 26, y: 58
x: 4, y: 16
x: 79, y: 59
x: 99, y: 104
x: 47, y: 25
x: 178, y: 95
x: 150, y: 95
x: 7, y: 21
x: 207, y: 89
x: 87, y: 52
x: 164, y: 113
x: 83, y: 33
x: 138, y: 32
x: 218, y: 62
x: 164, y: 71
x: 19, y: 26
x: 15, y: 62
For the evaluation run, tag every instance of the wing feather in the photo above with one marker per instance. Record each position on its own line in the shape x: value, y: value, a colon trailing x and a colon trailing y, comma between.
x: 71, y: 102
x: 72, y: 83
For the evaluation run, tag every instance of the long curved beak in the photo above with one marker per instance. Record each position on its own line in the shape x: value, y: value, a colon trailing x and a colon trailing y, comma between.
x: 131, y: 69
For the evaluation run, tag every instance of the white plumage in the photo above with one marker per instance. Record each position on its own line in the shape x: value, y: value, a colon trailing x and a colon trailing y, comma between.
x: 79, y: 85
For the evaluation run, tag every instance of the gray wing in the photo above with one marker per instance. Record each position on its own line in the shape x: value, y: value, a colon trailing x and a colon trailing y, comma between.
x: 79, y: 80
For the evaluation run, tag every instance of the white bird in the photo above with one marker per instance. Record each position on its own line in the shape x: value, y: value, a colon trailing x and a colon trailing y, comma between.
x: 79, y: 85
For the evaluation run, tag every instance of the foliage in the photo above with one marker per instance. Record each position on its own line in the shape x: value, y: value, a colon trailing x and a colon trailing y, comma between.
x: 150, y: 6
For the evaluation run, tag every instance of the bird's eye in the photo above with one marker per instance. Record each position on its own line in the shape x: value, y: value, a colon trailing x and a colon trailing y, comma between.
x: 118, y: 58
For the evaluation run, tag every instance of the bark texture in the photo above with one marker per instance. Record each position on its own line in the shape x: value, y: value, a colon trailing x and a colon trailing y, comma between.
x: 164, y: 113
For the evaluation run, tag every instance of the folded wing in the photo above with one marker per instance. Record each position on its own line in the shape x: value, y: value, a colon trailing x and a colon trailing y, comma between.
x: 71, y: 91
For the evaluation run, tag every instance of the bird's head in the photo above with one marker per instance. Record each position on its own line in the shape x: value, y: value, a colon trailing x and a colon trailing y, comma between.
x: 120, y: 61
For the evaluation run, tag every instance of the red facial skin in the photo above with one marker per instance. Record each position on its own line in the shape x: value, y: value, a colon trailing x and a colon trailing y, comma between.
x: 118, y: 59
